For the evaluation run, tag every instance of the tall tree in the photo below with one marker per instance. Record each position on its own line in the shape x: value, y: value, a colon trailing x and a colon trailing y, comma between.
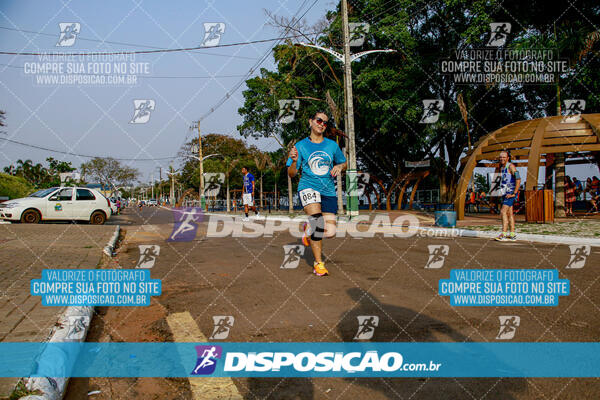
x: 109, y: 172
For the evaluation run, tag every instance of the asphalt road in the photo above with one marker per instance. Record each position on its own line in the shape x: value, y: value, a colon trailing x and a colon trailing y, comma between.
x: 380, y: 276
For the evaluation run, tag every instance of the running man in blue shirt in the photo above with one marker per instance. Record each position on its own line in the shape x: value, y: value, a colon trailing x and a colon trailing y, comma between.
x: 320, y: 160
x: 248, y: 193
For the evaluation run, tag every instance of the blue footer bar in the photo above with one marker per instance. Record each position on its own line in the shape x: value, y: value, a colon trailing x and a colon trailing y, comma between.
x: 300, y: 359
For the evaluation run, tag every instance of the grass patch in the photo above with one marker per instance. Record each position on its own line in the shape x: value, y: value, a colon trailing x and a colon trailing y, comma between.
x: 22, y: 391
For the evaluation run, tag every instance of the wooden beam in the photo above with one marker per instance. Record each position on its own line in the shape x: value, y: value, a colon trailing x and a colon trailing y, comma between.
x: 514, y: 144
x: 594, y: 121
x: 576, y: 132
x: 571, y: 147
x: 533, y: 167
x: 567, y: 127
x: 570, y: 140
x: 493, y: 155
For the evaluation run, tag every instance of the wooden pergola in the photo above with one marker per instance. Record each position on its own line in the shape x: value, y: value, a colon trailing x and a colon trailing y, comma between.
x: 530, y: 143
x: 401, y: 183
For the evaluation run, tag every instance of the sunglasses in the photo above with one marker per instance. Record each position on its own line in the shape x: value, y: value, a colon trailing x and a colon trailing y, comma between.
x: 321, y: 121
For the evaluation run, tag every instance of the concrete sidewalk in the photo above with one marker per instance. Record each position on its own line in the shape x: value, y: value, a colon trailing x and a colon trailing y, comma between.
x: 25, y: 250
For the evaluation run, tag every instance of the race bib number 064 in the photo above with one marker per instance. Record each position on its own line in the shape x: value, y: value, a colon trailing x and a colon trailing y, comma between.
x: 309, y: 196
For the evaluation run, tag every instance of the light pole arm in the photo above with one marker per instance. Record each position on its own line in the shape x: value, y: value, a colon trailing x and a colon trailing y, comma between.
x: 340, y: 57
x: 337, y: 55
x: 356, y: 56
x: 205, y: 157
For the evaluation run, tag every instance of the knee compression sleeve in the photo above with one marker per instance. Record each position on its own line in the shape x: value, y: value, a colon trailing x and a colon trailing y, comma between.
x: 317, y: 226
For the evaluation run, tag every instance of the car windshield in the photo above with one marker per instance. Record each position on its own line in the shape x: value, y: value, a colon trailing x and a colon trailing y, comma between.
x: 43, y: 192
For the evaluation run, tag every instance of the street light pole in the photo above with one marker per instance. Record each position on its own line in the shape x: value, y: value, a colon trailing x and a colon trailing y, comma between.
x: 352, y: 204
x: 201, y: 190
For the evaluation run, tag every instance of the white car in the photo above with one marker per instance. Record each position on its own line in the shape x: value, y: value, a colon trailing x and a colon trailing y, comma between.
x: 58, y: 203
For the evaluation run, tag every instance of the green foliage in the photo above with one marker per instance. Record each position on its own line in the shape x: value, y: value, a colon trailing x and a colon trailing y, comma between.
x: 109, y: 172
x: 14, y: 186
x: 481, y: 183
x: 39, y: 176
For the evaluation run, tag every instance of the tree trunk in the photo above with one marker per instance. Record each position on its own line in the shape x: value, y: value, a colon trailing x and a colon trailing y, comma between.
x: 290, y: 203
x: 228, y: 207
x: 261, y: 192
x: 276, y: 202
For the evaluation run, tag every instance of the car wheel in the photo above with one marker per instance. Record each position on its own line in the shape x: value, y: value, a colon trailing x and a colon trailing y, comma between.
x: 31, y: 217
x: 97, y: 218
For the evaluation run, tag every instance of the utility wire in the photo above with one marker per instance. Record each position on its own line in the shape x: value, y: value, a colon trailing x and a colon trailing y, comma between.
x: 123, y: 43
x: 110, y: 53
x: 82, y: 155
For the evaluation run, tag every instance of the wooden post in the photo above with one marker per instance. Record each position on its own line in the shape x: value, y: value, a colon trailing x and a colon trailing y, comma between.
x: 533, y: 159
x: 559, y: 184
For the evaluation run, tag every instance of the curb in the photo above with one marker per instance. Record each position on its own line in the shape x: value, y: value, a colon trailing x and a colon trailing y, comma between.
x: 531, y: 237
x: 81, y: 316
x: 110, y: 246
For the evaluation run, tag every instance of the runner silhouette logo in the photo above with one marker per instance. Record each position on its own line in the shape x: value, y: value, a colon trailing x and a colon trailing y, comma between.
x: 508, y: 326
x: 212, y: 183
x: 223, y: 324
x: 579, y: 256
x: 142, y: 108
x: 207, y: 359
x: 437, y: 255
x: 366, y: 326
x: 212, y: 33
x: 573, y: 110
x: 499, y: 33
x: 186, y: 224
x: 148, y: 255
x: 432, y: 109
x: 287, y: 110
x: 77, y: 327
x: 358, y: 31
x: 68, y: 33
x: 293, y: 253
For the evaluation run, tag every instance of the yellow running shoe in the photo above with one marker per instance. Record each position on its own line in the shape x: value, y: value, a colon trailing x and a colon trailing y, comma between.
x: 319, y: 269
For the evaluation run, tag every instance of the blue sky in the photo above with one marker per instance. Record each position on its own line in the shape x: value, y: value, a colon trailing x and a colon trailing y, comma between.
x: 94, y: 119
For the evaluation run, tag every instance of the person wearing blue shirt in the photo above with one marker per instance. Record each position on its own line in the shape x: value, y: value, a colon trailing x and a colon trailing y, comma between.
x: 248, y: 193
x: 320, y: 160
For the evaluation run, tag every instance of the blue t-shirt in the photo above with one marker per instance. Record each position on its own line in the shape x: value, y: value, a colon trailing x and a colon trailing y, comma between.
x: 509, y: 181
x: 248, y: 179
x: 316, y: 160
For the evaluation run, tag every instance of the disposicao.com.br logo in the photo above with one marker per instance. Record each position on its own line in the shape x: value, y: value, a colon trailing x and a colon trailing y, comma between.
x: 404, y: 225
x: 327, y: 362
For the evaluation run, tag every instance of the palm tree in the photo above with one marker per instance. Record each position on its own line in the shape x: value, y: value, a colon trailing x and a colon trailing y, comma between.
x: 229, y: 166
x: 261, y: 160
x: 276, y: 166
